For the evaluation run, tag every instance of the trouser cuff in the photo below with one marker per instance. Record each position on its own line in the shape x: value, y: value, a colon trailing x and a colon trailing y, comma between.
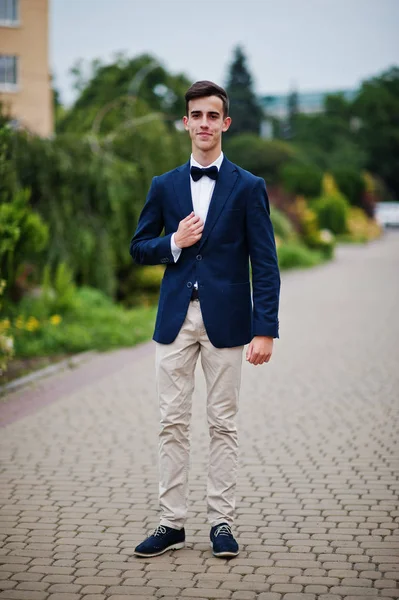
x: 171, y: 524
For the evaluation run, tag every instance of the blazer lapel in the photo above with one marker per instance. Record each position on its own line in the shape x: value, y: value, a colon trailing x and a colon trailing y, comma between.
x: 182, y: 186
x: 224, y: 186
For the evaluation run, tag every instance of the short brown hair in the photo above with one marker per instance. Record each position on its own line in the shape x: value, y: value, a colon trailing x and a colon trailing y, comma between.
x: 202, y: 89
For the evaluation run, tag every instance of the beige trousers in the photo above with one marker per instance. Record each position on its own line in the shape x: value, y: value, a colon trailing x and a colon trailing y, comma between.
x: 175, y: 366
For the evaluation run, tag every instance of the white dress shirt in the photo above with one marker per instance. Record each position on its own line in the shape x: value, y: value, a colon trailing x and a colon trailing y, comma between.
x: 201, y: 194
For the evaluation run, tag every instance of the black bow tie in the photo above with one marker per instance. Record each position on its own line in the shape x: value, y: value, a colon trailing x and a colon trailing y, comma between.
x: 197, y: 173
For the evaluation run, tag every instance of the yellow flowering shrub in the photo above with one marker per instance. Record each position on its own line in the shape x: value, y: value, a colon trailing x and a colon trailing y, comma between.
x: 328, y: 186
x: 360, y: 227
x: 313, y: 237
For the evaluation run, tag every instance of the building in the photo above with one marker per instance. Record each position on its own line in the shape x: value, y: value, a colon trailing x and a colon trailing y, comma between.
x: 308, y: 102
x: 25, y: 83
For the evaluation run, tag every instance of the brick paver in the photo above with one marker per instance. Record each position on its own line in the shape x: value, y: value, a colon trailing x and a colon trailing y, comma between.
x: 317, y: 501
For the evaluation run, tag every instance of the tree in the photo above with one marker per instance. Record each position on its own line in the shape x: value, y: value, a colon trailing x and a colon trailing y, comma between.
x: 111, y: 95
x: 293, y: 110
x: 377, y: 107
x: 245, y: 110
x: 58, y: 108
x: 328, y: 137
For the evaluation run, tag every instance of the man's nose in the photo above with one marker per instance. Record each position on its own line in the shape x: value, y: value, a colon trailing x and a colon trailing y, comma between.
x: 204, y: 123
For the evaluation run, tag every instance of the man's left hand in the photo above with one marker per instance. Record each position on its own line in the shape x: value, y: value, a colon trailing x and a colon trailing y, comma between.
x: 260, y: 350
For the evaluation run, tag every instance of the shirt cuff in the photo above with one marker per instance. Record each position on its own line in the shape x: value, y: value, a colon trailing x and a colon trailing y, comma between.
x: 176, y: 251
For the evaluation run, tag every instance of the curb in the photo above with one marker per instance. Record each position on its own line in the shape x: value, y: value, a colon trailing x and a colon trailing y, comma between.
x: 45, y: 386
x: 67, y: 363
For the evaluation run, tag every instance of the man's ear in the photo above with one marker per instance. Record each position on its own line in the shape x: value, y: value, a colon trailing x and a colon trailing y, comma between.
x: 185, y: 123
x: 226, y: 123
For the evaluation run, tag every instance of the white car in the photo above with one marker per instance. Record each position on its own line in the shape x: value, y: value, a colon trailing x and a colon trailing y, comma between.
x: 387, y: 214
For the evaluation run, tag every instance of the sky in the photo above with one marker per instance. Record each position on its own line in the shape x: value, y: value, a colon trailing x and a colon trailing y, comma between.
x: 309, y: 45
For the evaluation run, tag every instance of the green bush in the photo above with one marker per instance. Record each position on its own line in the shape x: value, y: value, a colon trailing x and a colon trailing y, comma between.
x: 92, y: 322
x: 332, y: 212
x: 263, y: 158
x: 351, y: 183
x: 291, y: 255
x: 149, y: 278
x: 58, y: 295
x: 304, y: 180
x: 89, y: 296
x: 23, y: 236
x: 323, y: 241
x: 6, y: 340
x: 282, y: 226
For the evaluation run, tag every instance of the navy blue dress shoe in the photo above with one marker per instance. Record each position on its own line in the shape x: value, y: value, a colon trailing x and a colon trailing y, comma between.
x: 222, y: 541
x: 163, y: 539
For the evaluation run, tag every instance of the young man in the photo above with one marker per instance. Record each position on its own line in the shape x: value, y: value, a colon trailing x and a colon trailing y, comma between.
x: 216, y: 219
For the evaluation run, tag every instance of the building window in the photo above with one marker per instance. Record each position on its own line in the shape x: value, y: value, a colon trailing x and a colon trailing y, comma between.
x: 8, y: 72
x: 9, y: 12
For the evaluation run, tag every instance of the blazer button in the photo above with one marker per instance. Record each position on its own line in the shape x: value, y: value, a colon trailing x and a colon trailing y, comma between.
x: 189, y: 284
x: 198, y: 257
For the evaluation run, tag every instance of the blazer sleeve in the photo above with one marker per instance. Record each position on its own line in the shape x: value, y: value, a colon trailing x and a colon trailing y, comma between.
x: 146, y: 246
x: 264, y: 264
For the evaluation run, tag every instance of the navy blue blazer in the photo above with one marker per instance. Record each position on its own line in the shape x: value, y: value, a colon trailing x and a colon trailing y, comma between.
x: 237, y: 230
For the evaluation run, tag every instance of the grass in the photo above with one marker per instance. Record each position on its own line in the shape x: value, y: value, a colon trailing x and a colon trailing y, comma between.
x: 91, y: 322
x: 294, y: 255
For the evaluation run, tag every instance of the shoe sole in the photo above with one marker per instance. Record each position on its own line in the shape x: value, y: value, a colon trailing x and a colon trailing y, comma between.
x: 178, y: 546
x: 224, y: 554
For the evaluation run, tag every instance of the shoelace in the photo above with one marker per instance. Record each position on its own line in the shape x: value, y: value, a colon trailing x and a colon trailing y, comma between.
x: 160, y: 530
x: 223, y: 530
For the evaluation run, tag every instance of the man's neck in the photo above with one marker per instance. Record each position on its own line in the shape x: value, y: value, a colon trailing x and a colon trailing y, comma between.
x: 206, y: 158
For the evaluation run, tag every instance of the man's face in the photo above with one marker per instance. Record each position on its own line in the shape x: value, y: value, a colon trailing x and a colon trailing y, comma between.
x: 205, y: 122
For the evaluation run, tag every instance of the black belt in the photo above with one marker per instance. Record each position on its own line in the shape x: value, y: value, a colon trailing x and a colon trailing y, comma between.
x: 194, y: 294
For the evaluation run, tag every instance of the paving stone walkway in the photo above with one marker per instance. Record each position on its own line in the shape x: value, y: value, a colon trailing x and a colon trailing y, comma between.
x: 317, y: 504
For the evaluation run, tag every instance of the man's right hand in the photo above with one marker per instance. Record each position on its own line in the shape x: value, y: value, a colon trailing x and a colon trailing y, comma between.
x: 189, y: 231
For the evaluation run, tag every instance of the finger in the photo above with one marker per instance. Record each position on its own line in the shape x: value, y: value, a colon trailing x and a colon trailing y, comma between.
x: 190, y: 216
x: 194, y: 238
x: 198, y: 230
x: 195, y: 234
x: 194, y: 224
x: 248, y: 353
x: 267, y: 357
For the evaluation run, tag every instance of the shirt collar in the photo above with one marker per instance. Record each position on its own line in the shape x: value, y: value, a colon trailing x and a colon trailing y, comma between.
x: 217, y: 163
